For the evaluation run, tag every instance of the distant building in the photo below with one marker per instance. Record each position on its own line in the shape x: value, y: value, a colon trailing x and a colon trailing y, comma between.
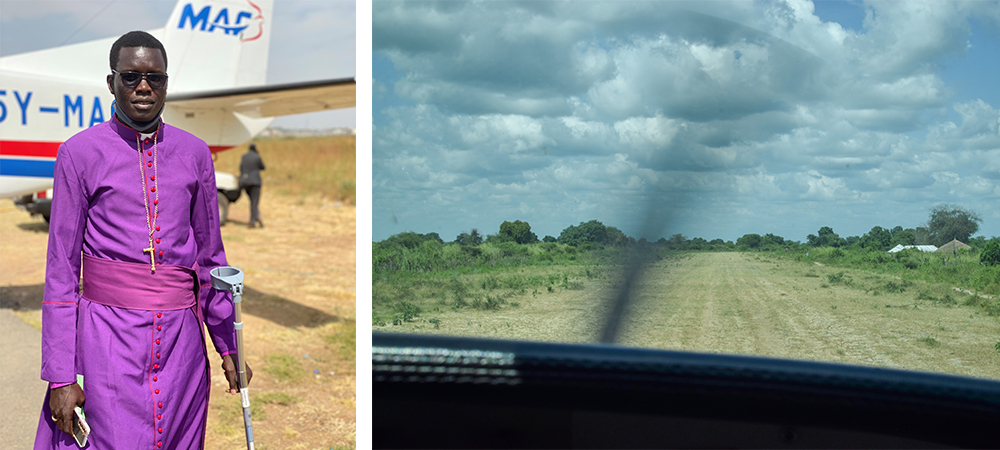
x: 923, y: 248
x: 952, y: 247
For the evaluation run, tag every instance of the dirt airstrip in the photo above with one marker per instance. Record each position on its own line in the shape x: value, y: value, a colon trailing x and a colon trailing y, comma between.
x: 299, y: 309
x: 740, y: 303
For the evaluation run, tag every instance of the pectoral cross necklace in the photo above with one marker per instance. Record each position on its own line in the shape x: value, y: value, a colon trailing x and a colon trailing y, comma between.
x: 150, y: 218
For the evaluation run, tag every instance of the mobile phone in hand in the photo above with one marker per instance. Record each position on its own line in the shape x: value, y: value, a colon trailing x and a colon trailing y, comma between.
x: 80, y: 427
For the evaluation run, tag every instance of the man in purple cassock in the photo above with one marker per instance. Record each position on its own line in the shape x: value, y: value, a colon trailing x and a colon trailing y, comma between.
x: 134, y: 211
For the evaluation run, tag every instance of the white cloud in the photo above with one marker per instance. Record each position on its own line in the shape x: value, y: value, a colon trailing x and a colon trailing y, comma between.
x: 647, y: 133
x: 821, y: 187
x: 560, y: 110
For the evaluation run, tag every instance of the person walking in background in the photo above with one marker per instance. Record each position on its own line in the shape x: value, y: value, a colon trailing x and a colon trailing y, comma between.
x: 250, y: 167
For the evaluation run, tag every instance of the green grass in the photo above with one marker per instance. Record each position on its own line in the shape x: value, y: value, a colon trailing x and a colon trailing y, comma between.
x: 963, y: 269
x: 408, y: 283
x: 276, y: 398
x: 945, y: 299
x: 302, y: 166
x: 230, y: 413
x: 283, y: 368
x: 405, y: 298
x: 929, y: 341
x: 342, y: 339
x: 349, y: 446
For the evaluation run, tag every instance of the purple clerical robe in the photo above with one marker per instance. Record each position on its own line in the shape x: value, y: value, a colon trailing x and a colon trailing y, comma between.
x: 146, y: 373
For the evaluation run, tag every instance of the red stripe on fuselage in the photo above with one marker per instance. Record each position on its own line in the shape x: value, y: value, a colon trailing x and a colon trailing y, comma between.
x: 29, y: 148
x: 49, y: 149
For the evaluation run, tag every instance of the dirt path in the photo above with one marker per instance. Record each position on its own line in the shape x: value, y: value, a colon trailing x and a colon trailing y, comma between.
x: 734, y: 303
x: 741, y: 303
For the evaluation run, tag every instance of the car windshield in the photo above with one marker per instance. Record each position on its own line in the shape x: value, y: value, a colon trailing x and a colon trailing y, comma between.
x: 805, y: 180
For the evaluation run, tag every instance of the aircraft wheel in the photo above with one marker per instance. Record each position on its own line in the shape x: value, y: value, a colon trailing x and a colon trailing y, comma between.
x: 223, y: 208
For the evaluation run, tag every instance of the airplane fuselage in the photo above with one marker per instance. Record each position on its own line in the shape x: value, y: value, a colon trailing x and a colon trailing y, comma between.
x: 216, y: 91
x: 37, y: 114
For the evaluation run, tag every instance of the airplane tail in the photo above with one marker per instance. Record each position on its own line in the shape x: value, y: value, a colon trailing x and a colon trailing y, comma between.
x: 217, y: 44
x: 211, y: 45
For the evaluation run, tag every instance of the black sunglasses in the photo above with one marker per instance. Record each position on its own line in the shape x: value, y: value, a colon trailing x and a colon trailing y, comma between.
x: 132, y: 79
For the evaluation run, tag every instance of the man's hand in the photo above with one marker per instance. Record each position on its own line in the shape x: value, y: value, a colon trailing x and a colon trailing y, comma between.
x: 62, y: 401
x: 233, y: 374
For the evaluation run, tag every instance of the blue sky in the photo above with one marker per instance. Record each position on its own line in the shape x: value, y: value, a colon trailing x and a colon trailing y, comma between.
x: 311, y: 40
x: 710, y: 119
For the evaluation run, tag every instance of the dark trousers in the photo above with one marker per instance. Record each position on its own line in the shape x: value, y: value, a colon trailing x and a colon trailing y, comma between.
x: 254, y: 193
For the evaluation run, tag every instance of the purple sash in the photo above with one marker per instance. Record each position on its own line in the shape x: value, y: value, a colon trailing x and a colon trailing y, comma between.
x: 133, y: 286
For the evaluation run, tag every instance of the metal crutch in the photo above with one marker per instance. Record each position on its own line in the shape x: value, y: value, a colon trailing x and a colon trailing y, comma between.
x: 227, y: 278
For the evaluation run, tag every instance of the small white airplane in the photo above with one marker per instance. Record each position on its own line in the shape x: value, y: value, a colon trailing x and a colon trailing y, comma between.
x: 217, y: 52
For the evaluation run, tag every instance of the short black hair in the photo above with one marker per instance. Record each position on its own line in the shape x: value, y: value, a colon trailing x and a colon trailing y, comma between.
x: 136, y: 39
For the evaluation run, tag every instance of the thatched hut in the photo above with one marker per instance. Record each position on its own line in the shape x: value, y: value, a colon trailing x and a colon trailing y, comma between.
x: 952, y: 247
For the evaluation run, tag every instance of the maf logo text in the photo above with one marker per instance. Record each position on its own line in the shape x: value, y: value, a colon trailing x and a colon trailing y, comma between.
x: 231, y: 23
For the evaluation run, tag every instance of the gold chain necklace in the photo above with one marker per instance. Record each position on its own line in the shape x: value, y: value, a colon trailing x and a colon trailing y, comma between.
x: 150, y: 221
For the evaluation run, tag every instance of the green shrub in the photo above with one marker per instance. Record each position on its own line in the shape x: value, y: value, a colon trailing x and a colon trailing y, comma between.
x: 491, y: 282
x: 405, y: 312
x: 459, y: 289
x: 899, y: 287
x: 991, y: 254
x: 489, y: 303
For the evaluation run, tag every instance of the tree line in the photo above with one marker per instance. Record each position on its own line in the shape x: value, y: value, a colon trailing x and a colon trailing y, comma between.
x: 946, y: 222
x: 519, y: 232
x: 515, y: 244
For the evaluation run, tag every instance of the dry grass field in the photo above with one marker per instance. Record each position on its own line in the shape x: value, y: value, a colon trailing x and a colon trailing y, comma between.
x: 299, y: 297
x: 742, y: 303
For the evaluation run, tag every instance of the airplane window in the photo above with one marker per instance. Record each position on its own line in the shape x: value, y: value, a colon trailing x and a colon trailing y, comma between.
x: 801, y: 180
x: 685, y: 224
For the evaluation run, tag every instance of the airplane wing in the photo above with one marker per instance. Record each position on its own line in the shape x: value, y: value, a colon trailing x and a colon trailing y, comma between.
x: 271, y: 100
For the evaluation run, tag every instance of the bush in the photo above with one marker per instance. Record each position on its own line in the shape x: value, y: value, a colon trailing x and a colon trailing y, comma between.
x: 402, y: 311
x: 490, y: 303
x: 991, y: 254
